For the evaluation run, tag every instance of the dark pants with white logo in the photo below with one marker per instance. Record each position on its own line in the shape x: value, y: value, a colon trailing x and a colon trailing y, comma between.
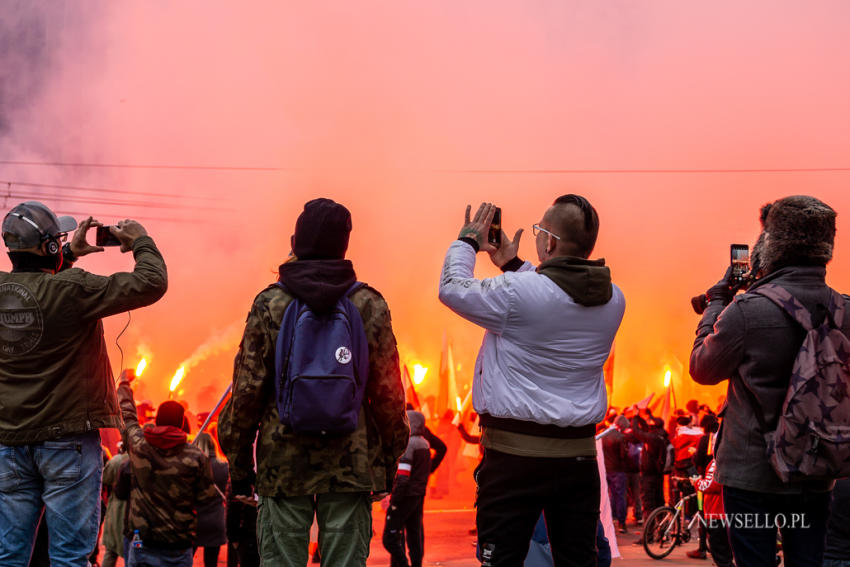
x: 404, y: 518
x: 753, y: 519
x: 514, y: 490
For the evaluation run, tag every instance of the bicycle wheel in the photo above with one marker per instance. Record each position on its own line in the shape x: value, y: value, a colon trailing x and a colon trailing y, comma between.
x: 660, y: 534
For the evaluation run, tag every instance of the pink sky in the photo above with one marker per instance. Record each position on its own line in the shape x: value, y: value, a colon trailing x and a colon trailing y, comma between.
x: 378, y: 104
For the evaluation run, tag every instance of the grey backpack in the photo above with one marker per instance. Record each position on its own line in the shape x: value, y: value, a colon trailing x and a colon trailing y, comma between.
x: 812, y: 437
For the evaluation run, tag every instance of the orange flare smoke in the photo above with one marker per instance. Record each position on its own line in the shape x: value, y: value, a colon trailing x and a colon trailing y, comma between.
x: 178, y: 377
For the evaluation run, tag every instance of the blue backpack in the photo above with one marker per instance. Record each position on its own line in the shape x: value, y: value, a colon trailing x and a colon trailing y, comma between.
x: 321, y: 367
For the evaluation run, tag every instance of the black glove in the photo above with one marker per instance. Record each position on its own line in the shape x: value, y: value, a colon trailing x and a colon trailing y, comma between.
x: 722, y: 290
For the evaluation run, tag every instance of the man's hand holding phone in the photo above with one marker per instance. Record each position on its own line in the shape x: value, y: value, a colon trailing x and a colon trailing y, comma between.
x: 127, y: 231
x: 508, y: 250
x: 79, y: 242
x: 478, y: 229
x: 479, y: 226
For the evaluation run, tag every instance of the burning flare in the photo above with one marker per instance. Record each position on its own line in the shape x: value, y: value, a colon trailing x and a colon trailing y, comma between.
x: 419, y: 373
x: 667, y: 376
x: 178, y: 376
x: 141, y: 367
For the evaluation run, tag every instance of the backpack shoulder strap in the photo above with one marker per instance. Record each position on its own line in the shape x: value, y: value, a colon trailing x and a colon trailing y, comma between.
x: 354, y: 287
x: 836, y: 308
x: 792, y: 306
x: 787, y: 302
x: 283, y: 343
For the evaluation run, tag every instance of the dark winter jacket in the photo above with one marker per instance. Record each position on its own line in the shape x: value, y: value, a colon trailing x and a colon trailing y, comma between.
x: 411, y: 481
x: 615, y: 452
x: 438, y: 446
x: 753, y: 344
x: 211, y: 515
x: 654, y: 441
x: 55, y: 377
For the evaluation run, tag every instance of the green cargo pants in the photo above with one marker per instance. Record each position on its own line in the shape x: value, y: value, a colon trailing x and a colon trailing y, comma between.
x: 345, y: 529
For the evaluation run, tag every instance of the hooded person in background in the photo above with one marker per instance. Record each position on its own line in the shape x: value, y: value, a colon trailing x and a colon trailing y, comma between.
x: 538, y: 386
x: 649, y: 430
x: 116, y: 510
x: 56, y: 386
x: 405, y: 514
x: 170, y: 480
x: 752, y: 342
x: 212, y: 528
x: 615, y: 453
x: 298, y: 476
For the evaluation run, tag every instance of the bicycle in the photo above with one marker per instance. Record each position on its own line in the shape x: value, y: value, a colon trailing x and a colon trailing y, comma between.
x: 665, y: 527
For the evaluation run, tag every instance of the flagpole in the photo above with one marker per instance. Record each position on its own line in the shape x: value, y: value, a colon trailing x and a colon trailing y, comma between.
x: 212, y: 413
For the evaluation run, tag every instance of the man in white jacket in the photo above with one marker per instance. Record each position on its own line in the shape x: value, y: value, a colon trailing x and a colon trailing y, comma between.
x: 538, y: 383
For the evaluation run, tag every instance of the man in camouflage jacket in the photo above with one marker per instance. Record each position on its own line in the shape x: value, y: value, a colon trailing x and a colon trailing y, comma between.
x: 170, y: 478
x: 338, y: 476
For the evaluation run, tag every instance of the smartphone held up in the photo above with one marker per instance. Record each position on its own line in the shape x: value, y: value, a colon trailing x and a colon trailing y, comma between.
x: 105, y: 237
x: 739, y: 259
x: 494, y: 234
x: 741, y: 275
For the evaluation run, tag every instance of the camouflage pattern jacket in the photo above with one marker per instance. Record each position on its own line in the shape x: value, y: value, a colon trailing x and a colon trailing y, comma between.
x: 167, y: 484
x: 296, y: 465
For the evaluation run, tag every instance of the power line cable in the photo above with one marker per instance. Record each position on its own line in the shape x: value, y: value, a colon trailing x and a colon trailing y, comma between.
x: 114, y: 202
x: 451, y: 170
x: 108, y: 190
x: 79, y: 214
x: 640, y: 171
x: 145, y: 166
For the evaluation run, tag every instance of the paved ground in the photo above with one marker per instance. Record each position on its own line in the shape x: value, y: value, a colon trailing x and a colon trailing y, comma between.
x: 449, y: 543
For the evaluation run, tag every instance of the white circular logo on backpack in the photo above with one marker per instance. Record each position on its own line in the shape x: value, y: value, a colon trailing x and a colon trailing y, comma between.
x: 343, y: 355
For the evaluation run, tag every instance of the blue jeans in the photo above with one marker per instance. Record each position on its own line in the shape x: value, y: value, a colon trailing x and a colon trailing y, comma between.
x: 63, y: 477
x: 540, y: 553
x: 617, y: 495
x: 803, y: 537
x: 149, y: 557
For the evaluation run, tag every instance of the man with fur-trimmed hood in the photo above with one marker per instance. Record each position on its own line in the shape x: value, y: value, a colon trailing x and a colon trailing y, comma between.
x: 753, y: 343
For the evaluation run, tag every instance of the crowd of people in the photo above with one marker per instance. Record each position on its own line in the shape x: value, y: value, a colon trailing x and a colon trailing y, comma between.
x: 318, y: 428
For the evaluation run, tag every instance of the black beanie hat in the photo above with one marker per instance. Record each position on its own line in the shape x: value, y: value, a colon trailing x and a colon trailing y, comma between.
x: 322, y: 231
x: 170, y: 413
